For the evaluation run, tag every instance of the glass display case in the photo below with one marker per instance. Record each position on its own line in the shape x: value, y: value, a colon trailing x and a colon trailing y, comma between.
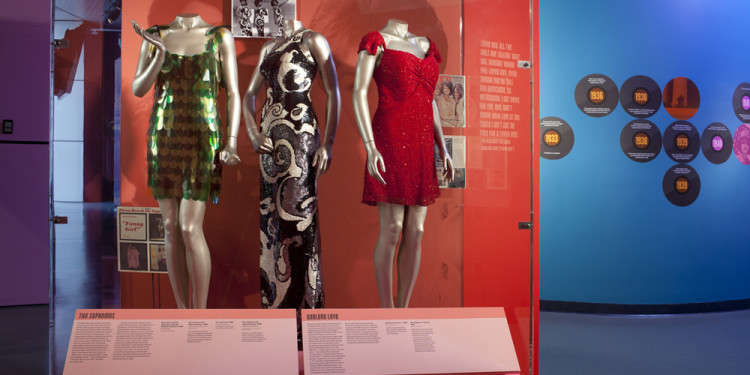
x: 480, y: 244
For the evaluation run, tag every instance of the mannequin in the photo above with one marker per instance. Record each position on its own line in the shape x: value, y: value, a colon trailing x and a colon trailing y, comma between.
x: 188, y: 40
x: 399, y: 217
x: 292, y: 158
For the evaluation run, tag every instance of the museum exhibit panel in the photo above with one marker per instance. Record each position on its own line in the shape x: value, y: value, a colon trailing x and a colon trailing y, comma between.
x: 472, y: 66
x: 643, y: 158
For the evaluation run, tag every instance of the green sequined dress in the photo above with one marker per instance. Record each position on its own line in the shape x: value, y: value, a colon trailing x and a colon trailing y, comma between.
x: 184, y: 135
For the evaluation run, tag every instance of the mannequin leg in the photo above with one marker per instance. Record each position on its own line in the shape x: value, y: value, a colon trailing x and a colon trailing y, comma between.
x: 391, y: 224
x: 198, y: 256
x: 409, y: 253
x: 175, y: 251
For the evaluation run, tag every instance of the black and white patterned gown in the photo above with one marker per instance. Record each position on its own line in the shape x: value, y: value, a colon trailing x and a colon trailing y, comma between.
x: 289, y: 233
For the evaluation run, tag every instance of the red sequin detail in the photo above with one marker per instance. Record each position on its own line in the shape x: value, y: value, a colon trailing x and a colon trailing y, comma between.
x: 403, y: 126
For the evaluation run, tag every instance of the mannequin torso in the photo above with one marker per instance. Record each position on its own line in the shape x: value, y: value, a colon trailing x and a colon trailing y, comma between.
x: 398, y: 38
x: 186, y: 35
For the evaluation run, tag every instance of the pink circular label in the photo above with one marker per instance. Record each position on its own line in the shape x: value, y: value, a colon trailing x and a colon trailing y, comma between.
x: 717, y: 143
x: 746, y: 102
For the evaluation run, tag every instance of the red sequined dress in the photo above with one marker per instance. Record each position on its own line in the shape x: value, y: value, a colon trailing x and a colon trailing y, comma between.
x: 403, y: 125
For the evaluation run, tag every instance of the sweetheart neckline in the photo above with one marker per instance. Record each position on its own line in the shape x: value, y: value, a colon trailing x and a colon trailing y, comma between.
x: 385, y: 48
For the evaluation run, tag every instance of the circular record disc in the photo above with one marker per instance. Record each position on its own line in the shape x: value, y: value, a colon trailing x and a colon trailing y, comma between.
x: 681, y: 141
x: 716, y: 143
x: 741, y: 144
x: 741, y: 102
x: 557, y: 138
x: 640, y: 96
x: 640, y: 140
x: 681, y: 185
x: 596, y: 95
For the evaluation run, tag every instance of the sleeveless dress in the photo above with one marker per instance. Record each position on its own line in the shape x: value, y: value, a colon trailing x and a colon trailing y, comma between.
x: 289, y: 233
x: 403, y: 125
x: 184, y: 135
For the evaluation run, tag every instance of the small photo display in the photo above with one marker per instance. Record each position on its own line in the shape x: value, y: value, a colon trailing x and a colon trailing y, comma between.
x: 133, y: 256
x: 450, y: 97
x: 261, y: 18
x: 140, y: 240
x: 456, y: 145
x: 132, y: 226
x: 158, y: 258
x: 155, y: 227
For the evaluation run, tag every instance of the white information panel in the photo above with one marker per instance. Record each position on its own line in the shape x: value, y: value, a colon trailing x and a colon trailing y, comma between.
x: 237, y: 341
x: 407, y: 341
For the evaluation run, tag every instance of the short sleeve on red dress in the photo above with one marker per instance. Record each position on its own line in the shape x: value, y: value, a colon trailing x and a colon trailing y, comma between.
x: 371, y: 42
x: 433, y: 50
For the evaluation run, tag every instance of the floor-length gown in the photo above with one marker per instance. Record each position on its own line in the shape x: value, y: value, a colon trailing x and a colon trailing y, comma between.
x: 289, y: 233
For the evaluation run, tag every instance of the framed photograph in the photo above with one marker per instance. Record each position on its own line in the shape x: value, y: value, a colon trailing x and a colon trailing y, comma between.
x: 261, y: 18
x: 450, y: 97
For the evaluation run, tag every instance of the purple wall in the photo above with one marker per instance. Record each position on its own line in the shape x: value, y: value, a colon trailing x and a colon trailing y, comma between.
x: 24, y: 167
x: 25, y: 73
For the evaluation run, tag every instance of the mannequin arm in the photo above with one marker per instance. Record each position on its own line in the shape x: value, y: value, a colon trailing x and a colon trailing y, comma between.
x: 150, y: 61
x: 318, y: 46
x: 362, y: 77
x: 229, y: 67
x: 261, y: 143
x: 448, y: 172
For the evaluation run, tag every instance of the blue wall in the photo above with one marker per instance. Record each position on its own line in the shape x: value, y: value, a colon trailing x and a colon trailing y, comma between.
x: 608, y: 234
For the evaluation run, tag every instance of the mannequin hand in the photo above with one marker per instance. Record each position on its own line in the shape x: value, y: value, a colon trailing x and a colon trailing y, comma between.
x: 375, y: 164
x: 262, y: 144
x: 157, y: 42
x: 322, y: 160
x: 229, y: 156
x: 448, y: 171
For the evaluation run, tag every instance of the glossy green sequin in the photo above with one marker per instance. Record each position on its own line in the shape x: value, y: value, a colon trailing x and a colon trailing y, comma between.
x: 184, y: 135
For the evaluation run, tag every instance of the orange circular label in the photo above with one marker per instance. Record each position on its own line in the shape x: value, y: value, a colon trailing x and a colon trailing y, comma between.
x: 641, y: 96
x: 641, y: 140
x: 597, y: 95
x: 682, y: 142
x: 682, y: 185
x: 551, y: 138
